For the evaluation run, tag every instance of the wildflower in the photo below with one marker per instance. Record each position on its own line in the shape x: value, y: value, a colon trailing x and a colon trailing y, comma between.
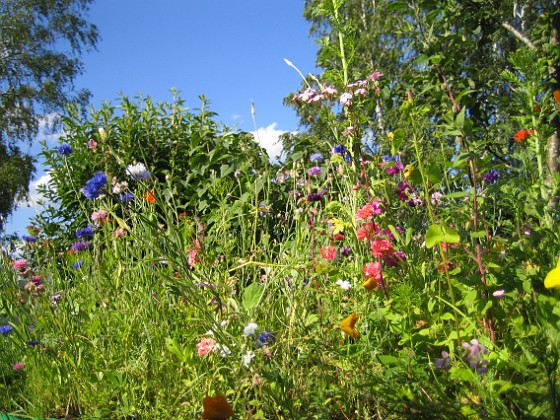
x: 138, y: 172
x: 19, y: 264
x: 408, y: 171
x: 33, y: 343
x: 346, y: 251
x: 392, y: 165
x: 248, y: 357
x: 65, y: 149
x: 126, y: 198
x: 29, y: 239
x: 347, y: 325
x: 339, y: 150
x: 338, y: 237
x: 93, y: 186
x: 380, y: 247
x: 367, y: 211
x: 360, y: 92
x: 314, y: 171
x: 316, y: 158
x: 499, y: 293
x: 443, y: 363
x: 6, y: 329
x: 266, y: 338
x: 557, y: 95
x: 523, y: 134
x: 224, y: 350
x: 119, y: 187
x: 149, y: 197
x: 474, y: 352
x: 309, y: 95
x: 491, y: 176
x: 18, y: 366
x: 315, y: 197
x: 375, y: 76
x: 367, y: 230
x: 374, y: 276
x: 205, y: 346
x: 119, y: 232
x: 92, y: 144
x: 393, y: 259
x: 80, y: 246
x: 328, y: 253
x: 329, y: 91
x: 102, y: 133
x: 78, y: 264
x: 344, y: 284
x: 346, y: 99
x: 436, y: 198
x: 250, y: 328
x: 83, y: 233
x: 349, y: 131
x: 99, y: 216
x: 216, y: 408
x: 552, y: 279
x: 404, y: 190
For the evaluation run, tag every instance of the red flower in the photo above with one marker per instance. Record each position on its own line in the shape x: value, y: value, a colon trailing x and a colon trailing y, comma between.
x: 149, y: 197
x: 381, y: 247
x: 523, y: 134
x: 328, y: 252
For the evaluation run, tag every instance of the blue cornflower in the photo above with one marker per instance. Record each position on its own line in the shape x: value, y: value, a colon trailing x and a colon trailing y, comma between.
x: 266, y: 338
x: 126, y: 197
x: 94, y: 185
x: 84, y: 233
x: 316, y: 157
x: 6, y: 329
x: 339, y: 150
x: 29, y: 238
x: 78, y: 264
x: 80, y: 246
x: 65, y: 150
x: 33, y: 343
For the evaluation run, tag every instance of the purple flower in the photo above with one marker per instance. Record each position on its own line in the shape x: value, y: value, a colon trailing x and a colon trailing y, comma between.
x: 474, y: 352
x: 266, y: 338
x: 80, y: 246
x: 65, y: 149
x: 314, y: 171
x: 6, y: 329
x: 443, y: 363
x: 84, y: 233
x: 126, y: 197
x: 339, y: 150
x: 394, y: 164
x: 315, y: 197
x: 491, y: 176
x: 29, y: 239
x: 404, y: 190
x: 33, y: 343
x: 346, y: 251
x: 316, y: 158
x: 94, y: 185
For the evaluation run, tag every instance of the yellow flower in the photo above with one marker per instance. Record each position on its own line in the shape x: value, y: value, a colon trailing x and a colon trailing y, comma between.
x: 347, y: 325
x: 391, y: 135
x: 216, y: 408
x: 552, y: 280
x: 408, y: 171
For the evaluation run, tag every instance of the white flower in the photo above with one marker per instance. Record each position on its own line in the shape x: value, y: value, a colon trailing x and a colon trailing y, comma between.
x: 344, y: 284
x: 120, y: 187
x: 250, y: 328
x: 248, y: 357
x: 138, y: 171
x: 224, y: 350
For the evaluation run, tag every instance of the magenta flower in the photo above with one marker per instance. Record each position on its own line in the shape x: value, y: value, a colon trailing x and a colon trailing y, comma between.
x: 18, y: 366
x: 19, y: 264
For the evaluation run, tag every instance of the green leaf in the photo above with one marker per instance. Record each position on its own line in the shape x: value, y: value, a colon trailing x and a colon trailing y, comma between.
x: 460, y: 119
x: 252, y: 295
x: 388, y: 360
x: 397, y: 6
x: 438, y: 233
x: 397, y: 140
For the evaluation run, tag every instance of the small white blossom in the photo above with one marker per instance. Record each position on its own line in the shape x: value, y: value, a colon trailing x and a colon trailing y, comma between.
x: 248, y: 357
x: 250, y: 328
x: 138, y: 171
x: 344, y: 284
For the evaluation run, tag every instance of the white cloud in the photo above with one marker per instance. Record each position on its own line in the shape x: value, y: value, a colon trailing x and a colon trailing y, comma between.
x: 34, y: 195
x: 268, y: 137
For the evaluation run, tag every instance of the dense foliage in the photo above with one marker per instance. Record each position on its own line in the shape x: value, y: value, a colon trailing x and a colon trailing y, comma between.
x: 381, y: 271
x: 40, y: 46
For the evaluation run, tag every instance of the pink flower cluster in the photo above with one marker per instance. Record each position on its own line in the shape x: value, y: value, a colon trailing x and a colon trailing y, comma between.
x: 206, y: 346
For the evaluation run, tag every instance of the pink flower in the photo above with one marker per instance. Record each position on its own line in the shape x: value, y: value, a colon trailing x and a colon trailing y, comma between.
x: 92, y: 144
x: 99, y: 216
x: 18, y: 366
x: 499, y: 293
x: 374, y: 276
x: 328, y: 253
x: 19, y: 264
x: 381, y: 247
x: 346, y: 99
x: 375, y: 76
x: 205, y: 346
x: 367, y: 231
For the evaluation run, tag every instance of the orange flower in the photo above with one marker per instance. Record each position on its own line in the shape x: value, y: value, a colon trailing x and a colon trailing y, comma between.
x: 557, y: 95
x: 523, y: 134
x: 149, y: 197
x: 216, y: 408
x: 347, y: 325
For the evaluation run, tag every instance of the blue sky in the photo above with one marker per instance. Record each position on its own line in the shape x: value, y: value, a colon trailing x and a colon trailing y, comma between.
x: 231, y: 51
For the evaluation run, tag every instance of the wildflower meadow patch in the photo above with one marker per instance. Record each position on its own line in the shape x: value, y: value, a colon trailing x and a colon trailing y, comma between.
x: 377, y: 271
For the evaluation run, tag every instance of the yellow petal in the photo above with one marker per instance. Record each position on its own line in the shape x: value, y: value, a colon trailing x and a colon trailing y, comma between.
x: 552, y: 280
x: 347, y: 325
